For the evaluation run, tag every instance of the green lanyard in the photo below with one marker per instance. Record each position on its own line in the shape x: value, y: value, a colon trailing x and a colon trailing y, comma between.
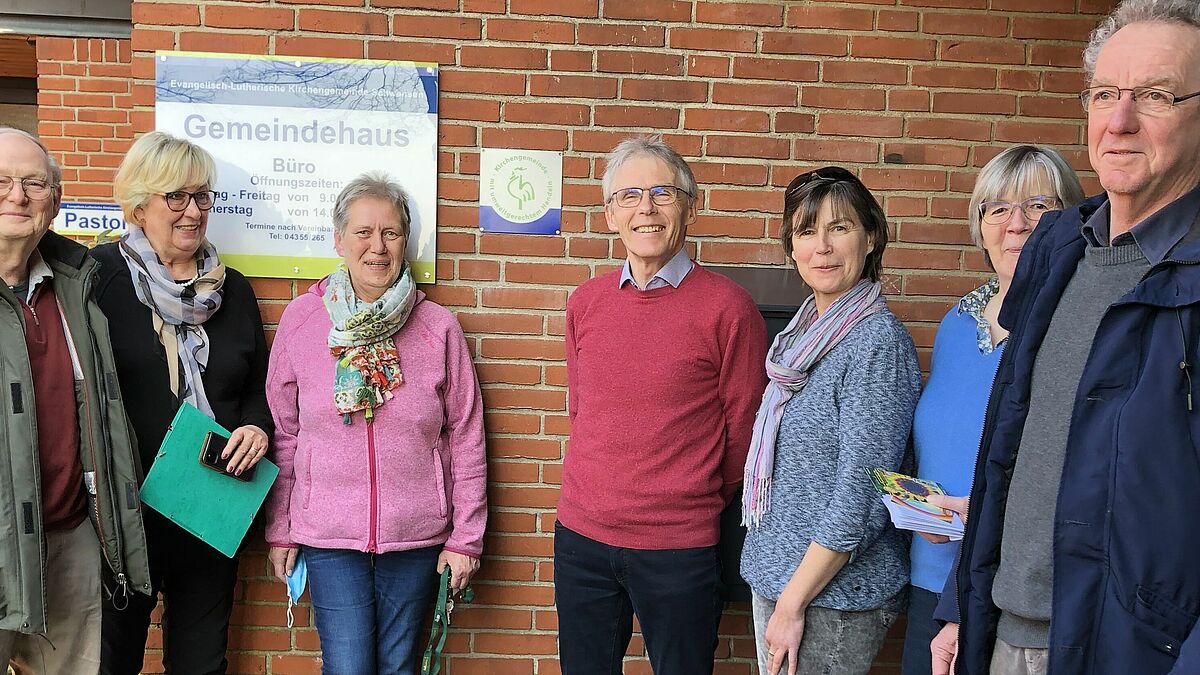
x: 431, y: 664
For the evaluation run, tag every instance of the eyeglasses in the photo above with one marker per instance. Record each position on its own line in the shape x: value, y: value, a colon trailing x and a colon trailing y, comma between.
x: 34, y: 188
x: 661, y: 195
x: 999, y: 212
x: 1146, y: 100
x: 178, y: 199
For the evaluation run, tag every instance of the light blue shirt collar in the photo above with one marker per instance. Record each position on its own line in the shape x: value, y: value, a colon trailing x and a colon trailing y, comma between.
x: 973, y: 303
x: 671, y: 274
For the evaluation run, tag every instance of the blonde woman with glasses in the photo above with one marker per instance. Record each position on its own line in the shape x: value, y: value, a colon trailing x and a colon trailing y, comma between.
x: 185, y: 328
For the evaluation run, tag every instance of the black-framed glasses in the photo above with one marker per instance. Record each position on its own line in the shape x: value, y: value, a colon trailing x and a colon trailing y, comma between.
x: 832, y: 174
x: 34, y: 188
x: 661, y: 195
x: 999, y: 212
x: 177, y: 200
x: 1146, y: 100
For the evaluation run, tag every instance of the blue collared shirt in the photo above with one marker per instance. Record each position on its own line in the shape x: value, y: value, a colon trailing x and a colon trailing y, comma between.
x: 1157, y: 235
x: 671, y: 274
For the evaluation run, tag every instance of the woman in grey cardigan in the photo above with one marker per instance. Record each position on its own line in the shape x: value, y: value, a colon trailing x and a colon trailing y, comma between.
x: 827, y: 572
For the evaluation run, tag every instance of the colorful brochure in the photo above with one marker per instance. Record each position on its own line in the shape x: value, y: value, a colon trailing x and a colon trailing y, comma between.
x: 904, y: 497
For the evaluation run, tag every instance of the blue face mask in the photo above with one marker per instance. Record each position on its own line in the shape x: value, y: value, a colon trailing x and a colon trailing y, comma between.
x: 296, y: 582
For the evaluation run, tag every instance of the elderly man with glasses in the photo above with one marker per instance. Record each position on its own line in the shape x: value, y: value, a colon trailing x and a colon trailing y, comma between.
x: 664, y: 370
x: 68, y: 487
x: 1081, y: 554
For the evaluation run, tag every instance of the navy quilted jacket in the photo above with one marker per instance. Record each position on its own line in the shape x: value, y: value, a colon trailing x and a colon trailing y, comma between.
x: 1127, y: 524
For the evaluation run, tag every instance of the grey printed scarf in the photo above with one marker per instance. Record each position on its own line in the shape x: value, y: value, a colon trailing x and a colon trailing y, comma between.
x: 178, y: 310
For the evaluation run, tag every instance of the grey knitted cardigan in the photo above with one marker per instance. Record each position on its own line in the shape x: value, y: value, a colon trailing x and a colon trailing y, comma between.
x: 854, y: 413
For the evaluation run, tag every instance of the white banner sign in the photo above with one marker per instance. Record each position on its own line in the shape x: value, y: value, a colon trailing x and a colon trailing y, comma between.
x: 89, y: 218
x: 288, y: 134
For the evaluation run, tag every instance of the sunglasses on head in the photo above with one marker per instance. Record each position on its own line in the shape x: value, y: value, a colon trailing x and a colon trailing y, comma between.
x: 832, y: 174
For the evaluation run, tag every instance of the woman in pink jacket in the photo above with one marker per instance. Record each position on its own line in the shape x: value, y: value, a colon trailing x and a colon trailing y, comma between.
x: 379, y: 441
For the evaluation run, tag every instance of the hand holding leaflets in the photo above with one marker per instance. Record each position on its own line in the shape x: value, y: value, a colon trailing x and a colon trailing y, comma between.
x: 906, y: 500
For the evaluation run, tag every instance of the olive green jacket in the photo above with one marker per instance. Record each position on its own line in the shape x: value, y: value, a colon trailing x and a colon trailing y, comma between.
x: 106, y: 448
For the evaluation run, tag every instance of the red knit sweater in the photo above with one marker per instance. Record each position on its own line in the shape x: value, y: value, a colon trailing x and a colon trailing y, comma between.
x: 664, y: 385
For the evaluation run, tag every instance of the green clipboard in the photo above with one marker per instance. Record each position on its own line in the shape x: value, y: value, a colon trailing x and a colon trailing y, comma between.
x: 216, y: 508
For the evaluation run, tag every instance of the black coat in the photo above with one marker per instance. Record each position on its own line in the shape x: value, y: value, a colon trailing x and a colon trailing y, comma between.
x: 235, y: 379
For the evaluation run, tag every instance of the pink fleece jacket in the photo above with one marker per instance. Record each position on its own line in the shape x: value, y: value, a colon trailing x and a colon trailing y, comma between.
x: 415, y: 477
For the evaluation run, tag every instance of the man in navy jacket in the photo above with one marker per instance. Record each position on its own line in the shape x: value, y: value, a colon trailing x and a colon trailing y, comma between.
x: 1081, y: 553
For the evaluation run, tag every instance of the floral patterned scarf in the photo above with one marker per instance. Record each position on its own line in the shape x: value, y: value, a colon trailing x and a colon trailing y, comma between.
x: 368, y: 366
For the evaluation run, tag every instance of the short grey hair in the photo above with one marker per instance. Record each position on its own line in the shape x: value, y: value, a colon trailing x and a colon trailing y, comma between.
x: 654, y: 146
x: 51, y: 165
x: 1020, y: 169
x: 377, y: 184
x: 1186, y: 12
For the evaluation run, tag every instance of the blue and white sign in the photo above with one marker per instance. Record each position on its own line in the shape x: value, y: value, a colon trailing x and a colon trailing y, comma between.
x: 520, y: 191
x: 89, y: 219
x: 288, y: 134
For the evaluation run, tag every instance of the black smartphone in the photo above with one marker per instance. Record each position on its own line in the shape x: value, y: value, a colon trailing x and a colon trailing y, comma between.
x: 210, y: 456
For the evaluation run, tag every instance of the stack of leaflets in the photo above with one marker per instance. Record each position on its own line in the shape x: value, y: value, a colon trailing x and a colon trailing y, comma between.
x: 904, y: 497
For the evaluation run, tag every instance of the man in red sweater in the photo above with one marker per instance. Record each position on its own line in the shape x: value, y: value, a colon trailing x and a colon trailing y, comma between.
x: 665, y: 372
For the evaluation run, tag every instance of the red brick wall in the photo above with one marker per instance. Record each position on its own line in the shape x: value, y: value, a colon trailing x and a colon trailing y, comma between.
x: 84, y: 109
x: 913, y: 94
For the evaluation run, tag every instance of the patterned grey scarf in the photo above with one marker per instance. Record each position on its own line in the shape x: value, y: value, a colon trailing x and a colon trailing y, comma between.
x: 178, y: 310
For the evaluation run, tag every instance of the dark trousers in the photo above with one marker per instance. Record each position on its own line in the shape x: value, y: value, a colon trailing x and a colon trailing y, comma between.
x: 922, y: 628
x: 196, y: 582
x: 599, y: 588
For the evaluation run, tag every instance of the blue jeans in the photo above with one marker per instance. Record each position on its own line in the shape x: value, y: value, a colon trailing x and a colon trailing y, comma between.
x: 598, y: 588
x: 921, y: 630
x: 368, y: 607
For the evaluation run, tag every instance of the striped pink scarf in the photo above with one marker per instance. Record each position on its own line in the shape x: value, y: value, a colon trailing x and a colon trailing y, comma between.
x: 792, y: 356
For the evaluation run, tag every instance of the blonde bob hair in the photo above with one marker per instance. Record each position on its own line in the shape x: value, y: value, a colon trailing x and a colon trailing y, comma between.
x: 1018, y: 170
x: 158, y: 163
